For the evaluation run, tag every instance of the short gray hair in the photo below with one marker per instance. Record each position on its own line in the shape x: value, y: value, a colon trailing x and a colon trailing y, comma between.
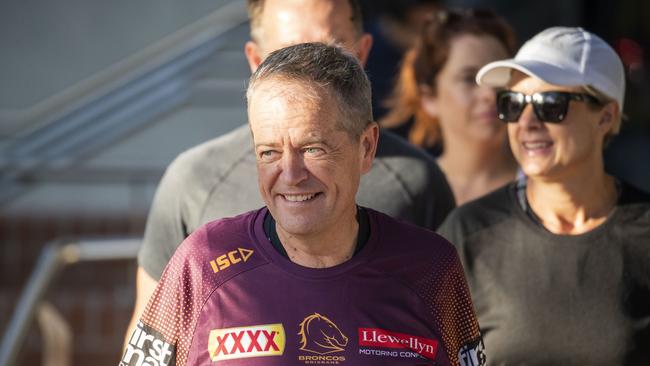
x: 329, y: 68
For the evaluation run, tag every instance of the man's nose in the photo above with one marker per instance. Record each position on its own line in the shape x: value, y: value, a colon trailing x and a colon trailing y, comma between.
x: 294, y: 169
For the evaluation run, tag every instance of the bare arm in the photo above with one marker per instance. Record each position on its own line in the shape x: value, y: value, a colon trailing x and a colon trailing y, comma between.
x: 144, y: 287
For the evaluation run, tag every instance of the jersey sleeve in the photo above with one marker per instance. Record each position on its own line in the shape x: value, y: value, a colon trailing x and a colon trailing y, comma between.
x: 442, y: 286
x: 458, y: 319
x: 166, y: 227
x: 164, y: 332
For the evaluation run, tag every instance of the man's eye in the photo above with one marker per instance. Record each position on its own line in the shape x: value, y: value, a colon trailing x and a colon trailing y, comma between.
x: 266, y: 154
x: 313, y: 150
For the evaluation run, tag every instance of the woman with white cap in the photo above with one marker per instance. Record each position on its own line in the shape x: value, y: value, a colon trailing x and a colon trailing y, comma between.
x: 559, y: 262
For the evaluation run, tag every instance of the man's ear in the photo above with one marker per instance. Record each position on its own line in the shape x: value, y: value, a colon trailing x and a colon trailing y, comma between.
x: 253, y: 55
x: 369, y: 141
x: 364, y: 46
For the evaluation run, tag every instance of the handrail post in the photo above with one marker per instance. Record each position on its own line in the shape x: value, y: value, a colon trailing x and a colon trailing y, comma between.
x: 57, y: 336
x: 49, y: 263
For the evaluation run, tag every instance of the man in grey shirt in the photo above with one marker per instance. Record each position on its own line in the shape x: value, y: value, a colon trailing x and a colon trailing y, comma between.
x: 218, y: 178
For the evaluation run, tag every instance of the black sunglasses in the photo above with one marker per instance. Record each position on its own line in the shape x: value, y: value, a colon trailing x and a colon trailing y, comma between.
x: 551, y: 106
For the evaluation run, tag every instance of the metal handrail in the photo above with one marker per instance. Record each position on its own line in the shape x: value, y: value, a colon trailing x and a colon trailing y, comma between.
x: 190, y: 36
x: 110, y: 105
x: 55, y: 256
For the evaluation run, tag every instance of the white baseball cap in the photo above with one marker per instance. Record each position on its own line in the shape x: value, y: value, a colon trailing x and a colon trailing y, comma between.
x: 563, y: 56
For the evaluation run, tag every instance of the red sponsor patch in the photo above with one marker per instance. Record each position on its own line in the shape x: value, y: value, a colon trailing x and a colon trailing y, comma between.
x: 375, y: 337
x: 242, y: 342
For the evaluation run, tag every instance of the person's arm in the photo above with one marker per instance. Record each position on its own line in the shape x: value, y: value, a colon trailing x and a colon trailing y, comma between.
x: 144, y: 288
x: 165, y: 230
x: 166, y: 224
x: 153, y: 336
x: 165, y: 328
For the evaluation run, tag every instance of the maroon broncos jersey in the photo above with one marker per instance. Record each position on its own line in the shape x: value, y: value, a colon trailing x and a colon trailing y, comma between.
x: 228, y: 297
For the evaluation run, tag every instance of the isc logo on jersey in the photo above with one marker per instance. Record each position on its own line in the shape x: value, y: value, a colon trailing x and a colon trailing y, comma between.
x: 148, y: 347
x: 232, y: 257
x: 243, y: 342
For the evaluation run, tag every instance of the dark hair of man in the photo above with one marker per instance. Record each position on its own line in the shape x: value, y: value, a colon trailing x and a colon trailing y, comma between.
x: 328, y: 68
x: 256, y: 7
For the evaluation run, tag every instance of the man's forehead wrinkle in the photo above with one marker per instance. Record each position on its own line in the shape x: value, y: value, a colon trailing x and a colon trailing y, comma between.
x: 295, y: 93
x: 297, y: 136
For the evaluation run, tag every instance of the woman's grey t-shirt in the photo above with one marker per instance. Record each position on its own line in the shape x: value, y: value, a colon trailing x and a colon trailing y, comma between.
x: 547, y: 299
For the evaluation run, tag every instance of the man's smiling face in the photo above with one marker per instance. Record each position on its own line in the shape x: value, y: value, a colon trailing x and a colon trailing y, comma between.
x: 309, y: 167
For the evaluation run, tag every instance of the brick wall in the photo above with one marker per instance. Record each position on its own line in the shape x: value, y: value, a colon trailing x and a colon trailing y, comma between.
x: 96, y: 298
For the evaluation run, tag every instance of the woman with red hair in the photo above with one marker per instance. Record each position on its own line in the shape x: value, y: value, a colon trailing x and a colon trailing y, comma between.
x: 438, y: 105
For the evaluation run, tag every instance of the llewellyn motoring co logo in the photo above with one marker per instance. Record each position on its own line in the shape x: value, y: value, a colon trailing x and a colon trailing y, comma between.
x: 322, y: 339
x: 244, y: 342
x: 392, y: 344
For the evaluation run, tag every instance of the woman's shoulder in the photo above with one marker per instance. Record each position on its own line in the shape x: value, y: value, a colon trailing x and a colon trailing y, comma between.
x: 495, y: 204
x: 480, y: 213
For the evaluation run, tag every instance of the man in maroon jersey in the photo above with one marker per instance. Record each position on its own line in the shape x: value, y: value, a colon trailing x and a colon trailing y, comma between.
x: 208, y: 181
x: 312, y: 278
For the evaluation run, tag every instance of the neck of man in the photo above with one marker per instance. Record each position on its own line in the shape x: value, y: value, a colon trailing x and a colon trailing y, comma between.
x: 323, y: 249
x: 474, y: 169
x: 575, y: 202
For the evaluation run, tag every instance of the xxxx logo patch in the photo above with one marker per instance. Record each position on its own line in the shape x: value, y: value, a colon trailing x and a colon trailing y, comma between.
x: 243, y: 342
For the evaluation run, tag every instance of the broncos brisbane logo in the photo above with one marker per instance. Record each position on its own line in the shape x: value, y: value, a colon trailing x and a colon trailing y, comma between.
x: 320, y: 335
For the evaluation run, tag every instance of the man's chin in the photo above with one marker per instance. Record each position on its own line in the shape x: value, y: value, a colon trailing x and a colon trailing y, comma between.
x: 298, y: 226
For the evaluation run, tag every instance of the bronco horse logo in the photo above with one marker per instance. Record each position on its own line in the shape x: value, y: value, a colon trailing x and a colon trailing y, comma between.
x: 320, y: 335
